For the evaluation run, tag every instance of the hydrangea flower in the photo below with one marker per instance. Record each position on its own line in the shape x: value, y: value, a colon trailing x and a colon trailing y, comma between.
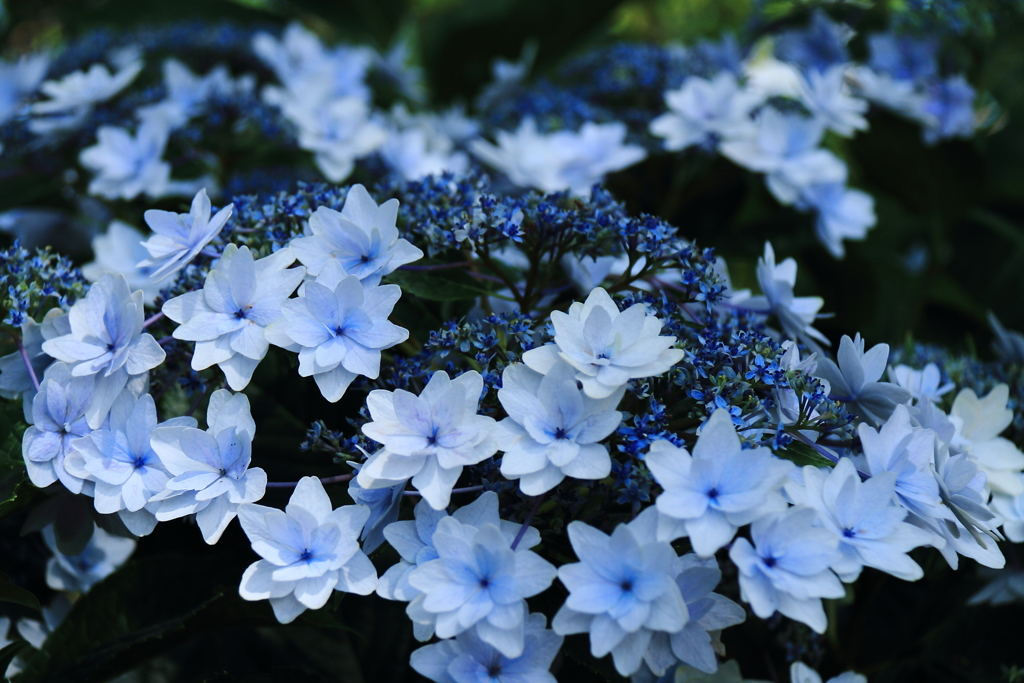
x: 107, y: 342
x: 19, y: 80
x: 425, y: 144
x: 607, y: 347
x: 702, y: 112
x: 478, y: 582
x: 795, y: 313
x: 119, y: 251
x: 181, y: 236
x: 58, y: 423
x: 414, y: 541
x: 227, y: 317
x: 384, y: 505
x: 429, y: 437
x: 622, y: 591
x: 75, y: 94
x: 338, y: 133
x: 553, y: 429
x: 187, y: 93
x: 101, y: 557
x: 854, y: 380
x: 865, y: 517
x: 720, y: 488
x: 786, y: 569
x: 923, y: 384
x: 785, y: 147
x: 978, y: 423
x: 15, y: 380
x: 210, y: 469
x: 1012, y: 512
x: 362, y: 237
x: 968, y: 526
x: 801, y: 673
x: 828, y: 98
x: 120, y: 459
x: 308, y: 550
x: 842, y: 214
x: 338, y: 328
x: 468, y: 658
x: 128, y: 165
x: 948, y: 110
x: 563, y: 160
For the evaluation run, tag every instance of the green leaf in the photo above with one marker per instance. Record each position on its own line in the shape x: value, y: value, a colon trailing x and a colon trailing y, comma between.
x: 19, y: 596
x: 802, y: 455
x: 454, y: 284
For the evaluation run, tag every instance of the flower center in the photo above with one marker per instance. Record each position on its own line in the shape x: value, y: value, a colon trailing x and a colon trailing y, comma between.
x: 770, y: 561
x: 306, y: 555
x: 849, y: 533
x: 559, y: 433
x: 713, y: 493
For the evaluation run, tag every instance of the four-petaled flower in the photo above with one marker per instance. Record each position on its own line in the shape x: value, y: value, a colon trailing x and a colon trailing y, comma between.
x: 181, y: 236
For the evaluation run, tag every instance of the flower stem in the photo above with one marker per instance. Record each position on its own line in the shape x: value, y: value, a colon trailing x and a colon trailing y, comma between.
x: 323, y: 480
x: 152, y: 319
x: 28, y: 365
x: 529, y: 518
x: 468, y: 489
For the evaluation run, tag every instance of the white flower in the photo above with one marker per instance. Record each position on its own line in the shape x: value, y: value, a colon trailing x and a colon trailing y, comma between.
x: 429, y: 437
x: 478, y: 581
x: 563, y: 160
x: 126, y: 165
x: 211, y: 473
x: 786, y: 569
x: 181, y: 236
x: 801, y: 673
x: 227, y: 317
x: 75, y: 94
x: 187, y: 93
x: 979, y: 422
x: 120, y: 459
x: 923, y: 384
x: 119, y: 251
x: 720, y: 488
x: 785, y: 147
x: 827, y: 96
x: 865, y: 517
x: 553, y: 429
x: 607, y: 347
x: 795, y: 313
x: 468, y: 658
x: 107, y: 341
x: 419, y: 145
x: 854, y: 380
x: 362, y: 237
x: 702, y: 112
x: 101, y: 557
x: 338, y: 133
x: 1012, y: 512
x: 308, y: 550
x: 338, y: 328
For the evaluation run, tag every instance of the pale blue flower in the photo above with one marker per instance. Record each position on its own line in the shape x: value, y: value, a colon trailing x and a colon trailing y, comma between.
x: 468, y: 659
x: 1011, y: 509
x: 227, y: 317
x: 101, y: 557
x: 948, y: 110
x: 866, y: 518
x: 827, y: 96
x: 19, y: 80
x: 339, y: 328
x: 969, y: 526
x: 210, y: 469
x: 181, y: 236
x: 74, y: 95
x: 362, y: 237
x: 843, y: 214
x: 15, y: 380
x: 553, y: 429
x: 817, y: 47
x: 338, y: 132
x: 607, y: 347
x: 308, y: 551
x: 562, y: 160
x: 120, y: 459
x: 126, y: 165
x: 923, y: 384
x: 478, y: 581
x: 978, y: 423
x: 622, y: 591
x: 428, y: 438
x: 801, y: 673
x: 384, y: 505
x: 904, y: 57
x: 720, y: 488
x: 119, y: 251
x: 795, y: 314
x: 187, y: 93
x: 786, y: 570
x: 107, y: 341
x: 702, y: 112
x: 424, y: 144
x: 58, y: 423
x: 854, y: 380
x: 414, y: 541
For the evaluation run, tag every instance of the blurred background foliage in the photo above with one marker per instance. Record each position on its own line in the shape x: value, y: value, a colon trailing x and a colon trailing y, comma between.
x: 948, y: 248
